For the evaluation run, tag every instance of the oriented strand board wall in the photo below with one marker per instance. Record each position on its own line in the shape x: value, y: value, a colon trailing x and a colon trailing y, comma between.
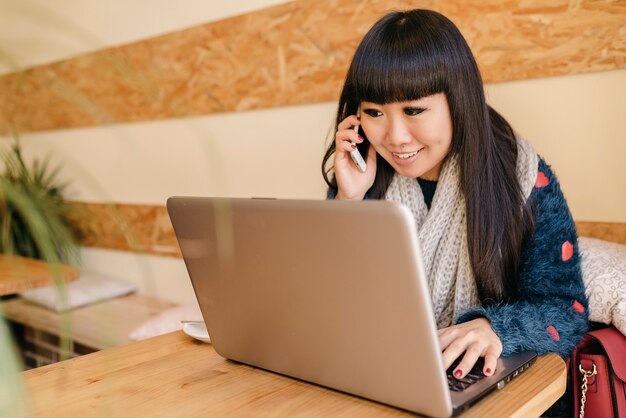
x: 297, y: 53
x: 147, y: 229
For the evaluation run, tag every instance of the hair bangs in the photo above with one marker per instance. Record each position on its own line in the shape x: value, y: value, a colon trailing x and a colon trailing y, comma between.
x: 393, y: 67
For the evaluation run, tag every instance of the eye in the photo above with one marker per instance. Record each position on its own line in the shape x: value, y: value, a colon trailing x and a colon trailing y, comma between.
x: 372, y: 113
x: 412, y: 111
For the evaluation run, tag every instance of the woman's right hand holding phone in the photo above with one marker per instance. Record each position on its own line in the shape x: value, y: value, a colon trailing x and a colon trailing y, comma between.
x: 352, y: 184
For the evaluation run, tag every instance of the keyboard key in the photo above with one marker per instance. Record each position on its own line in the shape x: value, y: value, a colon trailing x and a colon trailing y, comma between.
x: 459, y: 385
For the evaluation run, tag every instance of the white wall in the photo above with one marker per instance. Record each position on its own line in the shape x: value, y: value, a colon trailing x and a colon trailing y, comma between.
x: 275, y: 152
x: 576, y: 122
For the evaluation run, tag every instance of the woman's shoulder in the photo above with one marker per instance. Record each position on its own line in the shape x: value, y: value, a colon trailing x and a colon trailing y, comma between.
x: 544, y: 166
x: 547, y: 199
x: 546, y: 181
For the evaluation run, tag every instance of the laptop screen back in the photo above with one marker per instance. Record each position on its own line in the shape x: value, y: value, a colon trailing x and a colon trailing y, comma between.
x: 325, y: 291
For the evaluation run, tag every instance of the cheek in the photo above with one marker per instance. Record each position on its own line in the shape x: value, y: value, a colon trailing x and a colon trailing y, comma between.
x: 374, y: 135
x: 446, y: 130
x: 375, y: 140
x: 436, y: 135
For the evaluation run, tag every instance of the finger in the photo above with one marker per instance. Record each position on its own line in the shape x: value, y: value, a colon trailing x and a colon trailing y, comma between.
x: 343, y: 159
x: 344, y: 145
x: 446, y: 336
x: 452, y: 352
x: 469, y: 359
x: 348, y: 146
x: 491, y: 362
x: 348, y: 123
x: 348, y: 136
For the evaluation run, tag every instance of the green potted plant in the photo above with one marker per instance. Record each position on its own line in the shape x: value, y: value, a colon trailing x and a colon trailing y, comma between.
x: 33, y: 212
x: 33, y: 223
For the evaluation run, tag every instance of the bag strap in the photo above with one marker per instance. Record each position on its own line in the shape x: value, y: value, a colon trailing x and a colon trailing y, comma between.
x: 583, y: 388
x: 606, y: 341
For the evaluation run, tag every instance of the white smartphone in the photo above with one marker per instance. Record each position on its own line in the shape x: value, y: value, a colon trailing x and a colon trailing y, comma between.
x: 355, y: 154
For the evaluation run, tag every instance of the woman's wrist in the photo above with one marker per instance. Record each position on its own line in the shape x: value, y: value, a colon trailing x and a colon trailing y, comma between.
x: 341, y: 196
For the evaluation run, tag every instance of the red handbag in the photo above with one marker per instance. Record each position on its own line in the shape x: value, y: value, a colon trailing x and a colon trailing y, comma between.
x: 598, y: 371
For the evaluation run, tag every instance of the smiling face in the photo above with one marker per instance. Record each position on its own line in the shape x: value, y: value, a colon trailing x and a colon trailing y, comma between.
x: 414, y: 136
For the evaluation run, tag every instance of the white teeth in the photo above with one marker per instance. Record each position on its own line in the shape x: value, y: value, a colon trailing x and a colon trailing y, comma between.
x: 405, y: 156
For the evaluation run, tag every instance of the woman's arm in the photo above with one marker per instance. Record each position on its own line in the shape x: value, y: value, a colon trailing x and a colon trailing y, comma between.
x: 551, y: 313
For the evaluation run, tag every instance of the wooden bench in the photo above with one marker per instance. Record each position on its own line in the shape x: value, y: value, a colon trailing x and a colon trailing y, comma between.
x: 90, y: 328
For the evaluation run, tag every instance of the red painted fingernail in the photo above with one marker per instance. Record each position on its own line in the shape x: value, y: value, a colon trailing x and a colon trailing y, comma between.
x: 487, y: 371
x: 361, y: 138
x: 353, y: 146
x: 458, y: 373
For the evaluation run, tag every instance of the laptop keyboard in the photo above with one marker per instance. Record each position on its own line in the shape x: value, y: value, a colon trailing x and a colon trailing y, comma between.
x: 459, y: 385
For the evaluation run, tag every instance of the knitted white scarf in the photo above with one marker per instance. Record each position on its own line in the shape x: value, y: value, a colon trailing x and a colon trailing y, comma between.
x: 442, y: 233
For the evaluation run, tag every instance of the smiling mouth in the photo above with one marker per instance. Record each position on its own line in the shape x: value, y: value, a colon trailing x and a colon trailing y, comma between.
x: 404, y: 156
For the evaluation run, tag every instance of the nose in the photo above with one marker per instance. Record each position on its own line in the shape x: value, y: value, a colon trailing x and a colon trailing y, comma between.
x: 398, y: 133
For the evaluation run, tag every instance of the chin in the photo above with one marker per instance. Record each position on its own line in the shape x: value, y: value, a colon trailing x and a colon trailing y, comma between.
x: 409, y: 171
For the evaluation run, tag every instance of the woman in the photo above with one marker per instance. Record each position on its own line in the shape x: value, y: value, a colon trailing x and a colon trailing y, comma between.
x: 498, y: 241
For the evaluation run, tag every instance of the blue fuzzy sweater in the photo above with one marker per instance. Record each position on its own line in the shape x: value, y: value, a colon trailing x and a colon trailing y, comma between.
x: 551, y: 313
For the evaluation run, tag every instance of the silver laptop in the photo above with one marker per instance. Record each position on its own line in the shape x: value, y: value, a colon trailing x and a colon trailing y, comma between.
x: 330, y: 292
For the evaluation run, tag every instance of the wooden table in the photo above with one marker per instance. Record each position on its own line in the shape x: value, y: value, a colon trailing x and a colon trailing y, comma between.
x: 19, y: 273
x: 176, y: 376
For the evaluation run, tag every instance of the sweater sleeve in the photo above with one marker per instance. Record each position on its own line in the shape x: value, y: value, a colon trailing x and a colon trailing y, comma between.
x: 332, y: 193
x: 552, y: 311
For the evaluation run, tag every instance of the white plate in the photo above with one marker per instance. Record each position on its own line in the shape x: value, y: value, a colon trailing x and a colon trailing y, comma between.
x: 197, y: 330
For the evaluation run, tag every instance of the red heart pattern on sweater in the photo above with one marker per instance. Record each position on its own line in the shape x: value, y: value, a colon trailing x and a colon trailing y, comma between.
x: 553, y: 333
x: 578, y: 307
x: 567, y: 250
x: 542, y: 180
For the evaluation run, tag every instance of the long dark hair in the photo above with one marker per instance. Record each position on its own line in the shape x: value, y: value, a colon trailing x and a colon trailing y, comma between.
x: 412, y: 54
